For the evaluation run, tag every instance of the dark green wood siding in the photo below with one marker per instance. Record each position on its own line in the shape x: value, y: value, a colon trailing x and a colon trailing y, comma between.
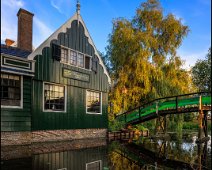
x: 15, y: 119
x: 49, y: 70
x: 71, y: 159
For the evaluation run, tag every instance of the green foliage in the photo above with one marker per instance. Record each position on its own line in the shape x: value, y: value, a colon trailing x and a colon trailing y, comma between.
x: 115, y: 125
x: 201, y: 73
x: 150, y: 125
x: 190, y: 125
x: 141, y: 127
x: 189, y: 117
x: 138, y: 52
x: 194, y: 125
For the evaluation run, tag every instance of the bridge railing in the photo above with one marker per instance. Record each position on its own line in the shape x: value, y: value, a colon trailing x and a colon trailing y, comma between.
x: 155, y: 104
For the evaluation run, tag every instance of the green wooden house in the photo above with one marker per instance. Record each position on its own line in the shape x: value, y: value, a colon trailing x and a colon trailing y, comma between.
x: 16, y: 79
x: 69, y: 86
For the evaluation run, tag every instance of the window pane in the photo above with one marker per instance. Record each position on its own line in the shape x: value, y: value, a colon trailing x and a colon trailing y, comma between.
x: 73, y: 58
x: 61, y: 89
x: 93, y: 102
x: 64, y: 55
x: 80, y: 60
x: 54, y: 97
x: 10, y: 90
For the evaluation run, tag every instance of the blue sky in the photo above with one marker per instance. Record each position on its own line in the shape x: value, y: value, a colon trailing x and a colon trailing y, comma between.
x: 98, y: 15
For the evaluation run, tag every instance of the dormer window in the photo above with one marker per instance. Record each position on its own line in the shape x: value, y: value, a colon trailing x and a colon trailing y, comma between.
x: 71, y: 57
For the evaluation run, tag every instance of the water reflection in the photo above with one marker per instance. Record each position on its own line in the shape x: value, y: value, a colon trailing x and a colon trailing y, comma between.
x: 99, y: 155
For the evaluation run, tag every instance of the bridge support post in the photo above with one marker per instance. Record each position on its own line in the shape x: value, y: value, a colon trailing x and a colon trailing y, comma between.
x: 203, y: 124
x: 202, y: 154
x: 161, y: 125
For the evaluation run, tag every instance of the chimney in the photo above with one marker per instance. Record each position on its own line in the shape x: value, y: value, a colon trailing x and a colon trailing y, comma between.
x: 24, y: 29
x: 9, y: 42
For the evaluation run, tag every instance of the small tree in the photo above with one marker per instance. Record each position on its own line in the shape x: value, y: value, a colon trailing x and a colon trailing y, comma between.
x: 201, y: 73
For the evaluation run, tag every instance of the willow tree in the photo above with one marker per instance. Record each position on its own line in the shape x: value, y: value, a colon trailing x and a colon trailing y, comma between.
x: 143, y: 57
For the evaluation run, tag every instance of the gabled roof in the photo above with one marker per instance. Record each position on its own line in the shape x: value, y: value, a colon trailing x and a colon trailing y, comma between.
x: 14, y: 51
x: 63, y: 28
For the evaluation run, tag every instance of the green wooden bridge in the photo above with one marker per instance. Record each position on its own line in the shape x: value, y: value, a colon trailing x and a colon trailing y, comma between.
x: 159, y: 108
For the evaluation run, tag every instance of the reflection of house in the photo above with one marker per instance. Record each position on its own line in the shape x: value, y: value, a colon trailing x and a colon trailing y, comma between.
x: 61, y: 85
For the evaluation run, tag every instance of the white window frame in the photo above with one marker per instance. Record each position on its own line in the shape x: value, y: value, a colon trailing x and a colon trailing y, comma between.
x: 94, y: 162
x: 69, y: 58
x: 64, y: 48
x: 77, y: 52
x: 65, y: 98
x: 83, y: 60
x: 100, y: 102
x: 21, y: 100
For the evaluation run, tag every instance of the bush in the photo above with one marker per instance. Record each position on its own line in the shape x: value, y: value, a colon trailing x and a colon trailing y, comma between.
x: 190, y: 125
x: 116, y: 125
x: 141, y: 127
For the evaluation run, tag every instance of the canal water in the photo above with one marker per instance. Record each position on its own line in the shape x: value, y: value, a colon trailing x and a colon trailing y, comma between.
x: 176, y: 152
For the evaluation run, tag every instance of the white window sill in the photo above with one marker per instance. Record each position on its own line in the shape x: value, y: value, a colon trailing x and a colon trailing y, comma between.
x: 11, y: 107
x: 93, y: 113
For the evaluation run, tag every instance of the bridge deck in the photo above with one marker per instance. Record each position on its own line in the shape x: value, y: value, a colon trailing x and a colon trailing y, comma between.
x: 164, y: 106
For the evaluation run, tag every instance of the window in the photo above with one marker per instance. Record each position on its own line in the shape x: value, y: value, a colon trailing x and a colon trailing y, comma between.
x: 54, y: 97
x: 80, y: 60
x: 73, y: 58
x: 97, y: 165
x: 93, y: 102
x: 64, y: 55
x: 11, y: 90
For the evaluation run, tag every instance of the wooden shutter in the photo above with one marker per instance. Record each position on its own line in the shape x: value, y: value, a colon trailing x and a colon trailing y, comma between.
x: 56, y: 52
x: 87, y: 62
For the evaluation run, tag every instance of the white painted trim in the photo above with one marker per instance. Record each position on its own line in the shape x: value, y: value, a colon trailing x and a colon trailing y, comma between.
x: 20, y: 59
x: 65, y: 98
x: 15, y: 57
x: 21, y: 101
x: 69, y: 55
x: 14, y: 72
x: 63, y: 29
x: 17, y: 61
x: 100, y: 102
x: 94, y: 162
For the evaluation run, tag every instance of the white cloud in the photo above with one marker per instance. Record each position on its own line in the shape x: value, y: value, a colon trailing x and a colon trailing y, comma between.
x: 178, y: 16
x: 191, y: 58
x: 13, y: 3
x: 42, y: 31
x: 9, y: 23
x: 9, y: 18
x: 63, y: 6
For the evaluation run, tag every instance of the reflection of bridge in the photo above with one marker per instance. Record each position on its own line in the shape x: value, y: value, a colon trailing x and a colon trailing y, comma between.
x: 159, y: 108
x: 144, y: 158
